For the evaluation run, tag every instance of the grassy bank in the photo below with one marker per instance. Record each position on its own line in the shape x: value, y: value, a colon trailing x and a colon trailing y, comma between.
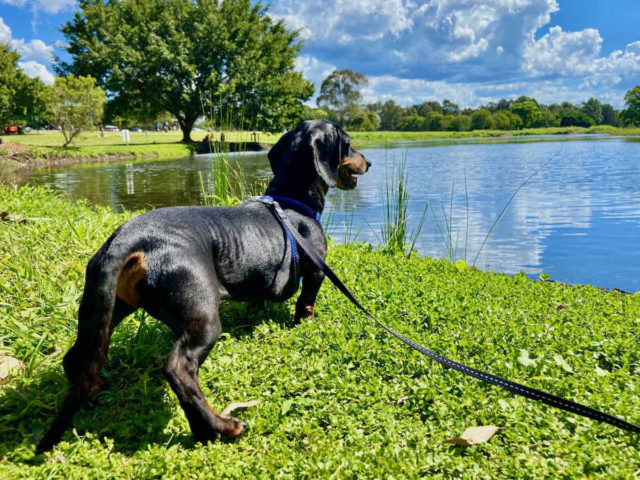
x: 376, y: 138
x: 337, y: 396
x: 46, y: 147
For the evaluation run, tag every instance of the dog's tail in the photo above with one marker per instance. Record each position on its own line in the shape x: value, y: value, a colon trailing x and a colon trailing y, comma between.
x: 83, y: 361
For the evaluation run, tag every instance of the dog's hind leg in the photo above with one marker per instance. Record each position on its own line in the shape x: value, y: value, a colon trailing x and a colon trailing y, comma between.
x: 181, y: 370
x: 100, y: 312
x: 191, y: 310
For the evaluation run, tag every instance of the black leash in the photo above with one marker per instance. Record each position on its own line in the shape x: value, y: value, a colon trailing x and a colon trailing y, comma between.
x: 513, y: 387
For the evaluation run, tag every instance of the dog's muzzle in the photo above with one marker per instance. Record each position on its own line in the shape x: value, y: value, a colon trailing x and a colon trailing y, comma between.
x: 355, y: 164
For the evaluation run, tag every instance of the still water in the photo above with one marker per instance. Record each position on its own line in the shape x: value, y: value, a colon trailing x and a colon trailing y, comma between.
x: 577, y: 220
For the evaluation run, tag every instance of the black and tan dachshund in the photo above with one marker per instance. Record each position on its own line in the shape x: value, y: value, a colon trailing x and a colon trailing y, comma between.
x: 178, y: 263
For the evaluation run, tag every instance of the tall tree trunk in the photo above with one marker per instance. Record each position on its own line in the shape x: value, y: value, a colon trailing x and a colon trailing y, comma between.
x: 186, y: 125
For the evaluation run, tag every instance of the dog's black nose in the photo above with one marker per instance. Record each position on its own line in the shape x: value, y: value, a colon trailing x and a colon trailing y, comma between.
x: 368, y: 164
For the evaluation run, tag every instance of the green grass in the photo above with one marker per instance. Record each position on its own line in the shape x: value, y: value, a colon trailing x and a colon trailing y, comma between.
x: 338, y: 394
x: 91, y: 144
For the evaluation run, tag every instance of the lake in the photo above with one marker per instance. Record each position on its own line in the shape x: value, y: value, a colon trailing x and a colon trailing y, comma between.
x: 578, y: 219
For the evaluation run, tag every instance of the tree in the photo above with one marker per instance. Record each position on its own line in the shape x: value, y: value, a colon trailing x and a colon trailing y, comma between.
x: 528, y: 111
x: 225, y: 59
x: 309, y: 113
x: 429, y: 106
x: 434, y: 121
x: 506, y: 120
x: 390, y: 115
x: 20, y: 96
x: 450, y: 108
x: 482, y: 120
x: 631, y: 116
x: 364, y: 120
x: 340, y: 91
x: 577, y: 119
x: 411, y: 123
x: 74, y: 104
x: 459, y: 123
x: 610, y: 115
x: 593, y: 108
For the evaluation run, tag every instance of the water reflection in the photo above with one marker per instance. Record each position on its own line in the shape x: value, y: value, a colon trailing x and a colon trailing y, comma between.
x: 578, y: 219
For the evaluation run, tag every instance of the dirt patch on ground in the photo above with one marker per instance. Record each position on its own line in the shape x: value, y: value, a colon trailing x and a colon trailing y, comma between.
x: 10, y: 148
x: 15, y: 155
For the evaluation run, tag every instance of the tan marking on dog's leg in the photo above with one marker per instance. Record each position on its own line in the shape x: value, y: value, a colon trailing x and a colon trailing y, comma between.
x: 133, y: 270
x: 305, y: 311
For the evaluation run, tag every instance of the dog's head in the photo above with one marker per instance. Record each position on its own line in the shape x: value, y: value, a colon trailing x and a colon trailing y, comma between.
x: 321, y: 148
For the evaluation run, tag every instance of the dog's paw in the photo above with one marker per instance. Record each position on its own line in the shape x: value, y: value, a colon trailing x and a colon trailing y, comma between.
x: 235, y: 428
x: 306, y: 311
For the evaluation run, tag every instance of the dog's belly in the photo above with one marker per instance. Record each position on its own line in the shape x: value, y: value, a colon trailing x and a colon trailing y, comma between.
x: 264, y: 273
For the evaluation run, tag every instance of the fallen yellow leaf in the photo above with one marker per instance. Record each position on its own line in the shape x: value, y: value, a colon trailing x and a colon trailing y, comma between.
x: 7, y: 364
x: 474, y: 435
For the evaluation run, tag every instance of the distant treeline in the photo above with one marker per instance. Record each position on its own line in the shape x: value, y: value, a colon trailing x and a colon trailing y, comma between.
x: 523, y: 112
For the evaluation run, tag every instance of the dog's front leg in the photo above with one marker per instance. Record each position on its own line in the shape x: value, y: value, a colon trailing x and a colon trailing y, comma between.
x: 311, y: 283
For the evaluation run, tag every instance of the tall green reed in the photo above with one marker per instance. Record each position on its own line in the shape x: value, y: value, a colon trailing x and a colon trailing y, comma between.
x: 226, y: 184
x: 395, y: 233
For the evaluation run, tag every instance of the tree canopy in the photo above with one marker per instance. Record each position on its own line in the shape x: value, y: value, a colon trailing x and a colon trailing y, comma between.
x: 340, y: 91
x: 74, y: 104
x: 631, y: 115
x: 20, y: 96
x: 224, y: 59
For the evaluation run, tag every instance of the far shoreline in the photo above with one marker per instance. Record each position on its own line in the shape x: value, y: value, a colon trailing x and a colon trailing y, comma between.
x: 39, y: 150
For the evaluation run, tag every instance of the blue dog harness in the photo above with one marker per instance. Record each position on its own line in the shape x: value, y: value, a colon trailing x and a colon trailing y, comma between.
x: 276, y: 204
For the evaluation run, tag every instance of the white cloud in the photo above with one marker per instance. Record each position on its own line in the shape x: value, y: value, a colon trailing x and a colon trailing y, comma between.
x: 469, y: 51
x: 313, y: 69
x: 409, y: 91
x: 47, y: 6
x: 5, y: 32
x: 577, y: 54
x: 14, y: 3
x: 352, y: 21
x: 564, y: 53
x: 436, y: 37
x: 33, y: 50
x: 32, y: 54
x: 34, y: 69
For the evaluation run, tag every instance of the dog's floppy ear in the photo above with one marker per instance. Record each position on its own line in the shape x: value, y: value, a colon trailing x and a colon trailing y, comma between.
x: 326, y: 156
x: 279, y: 150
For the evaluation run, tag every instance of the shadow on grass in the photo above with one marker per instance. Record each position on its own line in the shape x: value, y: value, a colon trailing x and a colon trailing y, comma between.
x: 134, y: 404
x: 240, y: 319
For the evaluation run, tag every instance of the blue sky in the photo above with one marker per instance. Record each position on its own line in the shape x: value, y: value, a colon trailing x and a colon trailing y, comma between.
x: 469, y: 51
